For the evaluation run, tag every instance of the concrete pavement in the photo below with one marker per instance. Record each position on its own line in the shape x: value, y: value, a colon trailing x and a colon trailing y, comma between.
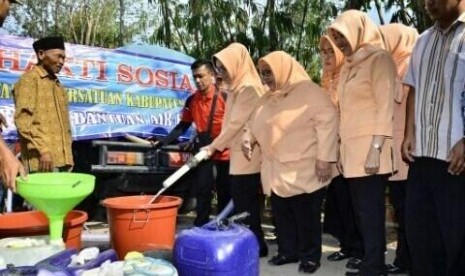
x: 327, y: 268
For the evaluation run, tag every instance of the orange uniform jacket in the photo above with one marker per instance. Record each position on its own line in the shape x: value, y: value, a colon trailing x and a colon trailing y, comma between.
x: 367, y: 85
x: 294, y: 127
x: 243, y: 98
x: 399, y: 41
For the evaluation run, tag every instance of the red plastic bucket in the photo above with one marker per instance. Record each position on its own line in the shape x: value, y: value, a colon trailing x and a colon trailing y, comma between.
x: 137, y: 226
x: 35, y: 223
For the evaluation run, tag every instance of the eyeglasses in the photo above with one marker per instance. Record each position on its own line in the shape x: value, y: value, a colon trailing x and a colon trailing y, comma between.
x: 220, y: 70
x: 327, y: 51
x: 265, y: 74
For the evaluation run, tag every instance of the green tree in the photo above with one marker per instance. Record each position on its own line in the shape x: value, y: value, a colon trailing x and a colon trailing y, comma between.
x: 408, y: 12
x: 201, y: 27
x: 88, y: 22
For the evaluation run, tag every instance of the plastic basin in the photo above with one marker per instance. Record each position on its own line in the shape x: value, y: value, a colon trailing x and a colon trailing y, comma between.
x: 35, y: 223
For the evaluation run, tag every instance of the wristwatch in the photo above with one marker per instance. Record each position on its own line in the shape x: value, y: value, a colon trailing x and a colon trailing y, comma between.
x: 377, y: 146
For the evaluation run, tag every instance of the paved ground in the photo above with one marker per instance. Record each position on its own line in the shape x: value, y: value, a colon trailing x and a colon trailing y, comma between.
x: 326, y: 269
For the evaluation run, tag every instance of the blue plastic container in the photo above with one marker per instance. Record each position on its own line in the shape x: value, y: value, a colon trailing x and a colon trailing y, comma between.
x: 210, y: 250
x: 60, y: 262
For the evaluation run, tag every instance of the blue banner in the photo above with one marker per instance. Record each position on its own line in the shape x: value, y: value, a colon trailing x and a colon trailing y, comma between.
x: 136, y: 89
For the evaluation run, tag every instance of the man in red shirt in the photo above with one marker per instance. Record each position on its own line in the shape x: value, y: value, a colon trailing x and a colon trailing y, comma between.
x: 198, y: 110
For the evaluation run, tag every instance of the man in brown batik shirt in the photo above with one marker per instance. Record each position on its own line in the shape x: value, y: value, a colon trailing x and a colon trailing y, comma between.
x: 41, y: 115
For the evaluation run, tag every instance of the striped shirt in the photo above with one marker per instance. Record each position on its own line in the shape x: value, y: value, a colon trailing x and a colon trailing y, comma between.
x: 437, y: 72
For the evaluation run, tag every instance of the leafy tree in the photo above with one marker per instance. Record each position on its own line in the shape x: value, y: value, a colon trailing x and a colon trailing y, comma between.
x: 201, y: 27
x: 408, y: 12
x: 88, y: 22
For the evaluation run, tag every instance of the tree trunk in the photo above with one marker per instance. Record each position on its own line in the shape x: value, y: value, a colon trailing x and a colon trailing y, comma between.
x: 55, y: 15
x: 166, y: 22
x: 380, y: 12
x: 122, y: 9
x: 272, y: 26
x: 302, y: 26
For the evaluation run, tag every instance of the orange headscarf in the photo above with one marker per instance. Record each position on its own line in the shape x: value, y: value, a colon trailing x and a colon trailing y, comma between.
x: 287, y: 72
x: 240, y: 67
x: 399, y: 41
x: 361, y: 32
x: 330, y: 78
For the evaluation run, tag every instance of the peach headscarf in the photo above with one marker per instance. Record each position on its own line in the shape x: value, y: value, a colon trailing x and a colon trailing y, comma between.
x: 330, y: 78
x: 287, y: 72
x: 399, y: 41
x: 361, y: 32
x: 240, y: 67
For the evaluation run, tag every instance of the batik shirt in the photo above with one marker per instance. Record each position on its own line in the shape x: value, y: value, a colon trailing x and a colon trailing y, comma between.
x: 42, y: 119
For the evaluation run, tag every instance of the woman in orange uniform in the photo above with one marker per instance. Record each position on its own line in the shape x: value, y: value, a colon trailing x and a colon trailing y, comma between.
x: 296, y: 130
x: 399, y: 41
x: 366, y: 89
x: 242, y: 83
x: 339, y: 215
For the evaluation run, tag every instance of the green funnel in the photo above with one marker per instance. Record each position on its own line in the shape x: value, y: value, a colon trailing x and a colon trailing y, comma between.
x: 55, y: 194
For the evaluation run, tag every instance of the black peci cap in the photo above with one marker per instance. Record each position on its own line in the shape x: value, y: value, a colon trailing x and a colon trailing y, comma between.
x: 47, y: 43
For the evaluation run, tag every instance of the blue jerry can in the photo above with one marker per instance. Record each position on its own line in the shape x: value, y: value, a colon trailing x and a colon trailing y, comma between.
x: 211, y: 250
